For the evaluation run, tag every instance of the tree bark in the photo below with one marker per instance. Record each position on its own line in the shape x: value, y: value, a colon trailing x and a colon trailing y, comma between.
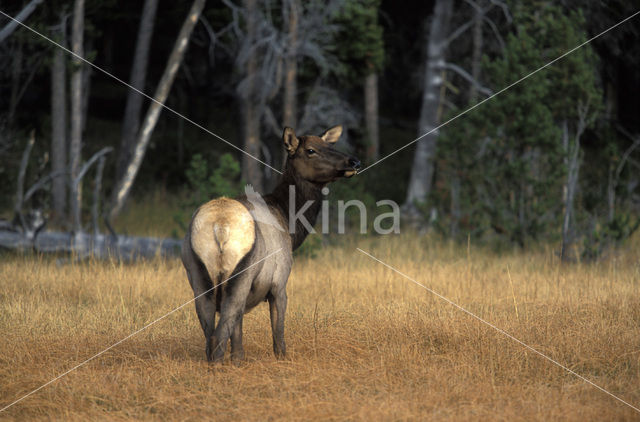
x: 567, y: 192
x: 290, y: 107
x: 20, y: 17
x: 77, y: 42
x: 97, y: 189
x: 124, y: 184
x: 86, y: 88
x: 423, y: 162
x: 131, y: 121
x: 476, y: 57
x: 476, y: 66
x: 289, y: 111
x: 59, y: 129
x: 251, y: 170
x: 572, y: 162
x: 24, y: 162
x: 371, y: 117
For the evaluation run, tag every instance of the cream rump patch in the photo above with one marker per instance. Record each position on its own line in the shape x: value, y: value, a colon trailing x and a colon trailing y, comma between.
x: 222, y: 233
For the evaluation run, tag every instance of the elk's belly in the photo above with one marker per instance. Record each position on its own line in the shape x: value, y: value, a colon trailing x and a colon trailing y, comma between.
x: 272, y: 276
x: 258, y: 294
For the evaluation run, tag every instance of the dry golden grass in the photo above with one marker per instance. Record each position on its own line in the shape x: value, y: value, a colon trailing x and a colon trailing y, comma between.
x: 363, y: 343
x: 153, y: 214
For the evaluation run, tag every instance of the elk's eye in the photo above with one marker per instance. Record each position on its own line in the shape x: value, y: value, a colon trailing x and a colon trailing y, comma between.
x: 311, y: 151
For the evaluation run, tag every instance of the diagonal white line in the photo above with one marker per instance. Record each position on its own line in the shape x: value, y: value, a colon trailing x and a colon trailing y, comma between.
x: 199, y: 126
x: 499, y: 330
x: 501, y: 91
x: 134, y: 333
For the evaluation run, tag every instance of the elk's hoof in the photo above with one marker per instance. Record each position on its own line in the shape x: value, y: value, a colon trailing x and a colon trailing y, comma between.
x: 237, y: 358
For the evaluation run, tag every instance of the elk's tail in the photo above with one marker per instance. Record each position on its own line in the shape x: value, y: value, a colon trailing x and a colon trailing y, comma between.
x: 221, y: 235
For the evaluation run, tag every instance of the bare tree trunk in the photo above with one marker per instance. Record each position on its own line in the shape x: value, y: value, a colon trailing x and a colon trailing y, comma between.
x: 131, y: 122
x: 476, y: 63
x: 124, y: 184
x: 572, y: 162
x: 567, y: 192
x: 251, y: 171
x: 371, y: 116
x: 423, y: 162
x: 97, y: 188
x: 77, y: 41
x: 476, y: 58
x: 611, y: 195
x: 59, y: 129
x: 290, y: 108
x: 455, y: 203
x: 24, y: 162
x: 20, y: 17
x: 86, y: 87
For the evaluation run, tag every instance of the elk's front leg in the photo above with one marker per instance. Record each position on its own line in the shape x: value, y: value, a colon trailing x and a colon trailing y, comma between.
x: 277, y: 309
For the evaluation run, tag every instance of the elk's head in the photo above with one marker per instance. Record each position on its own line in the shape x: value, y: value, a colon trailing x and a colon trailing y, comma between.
x: 314, y: 159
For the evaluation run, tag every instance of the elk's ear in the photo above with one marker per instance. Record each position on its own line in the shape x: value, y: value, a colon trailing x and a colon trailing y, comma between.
x: 290, y: 141
x: 332, y: 135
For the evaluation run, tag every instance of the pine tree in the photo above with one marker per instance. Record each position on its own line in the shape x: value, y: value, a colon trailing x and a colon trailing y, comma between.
x: 513, y: 152
x: 360, y: 49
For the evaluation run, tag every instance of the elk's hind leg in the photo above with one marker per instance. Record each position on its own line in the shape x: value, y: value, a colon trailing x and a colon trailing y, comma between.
x: 206, y: 310
x: 231, y: 311
x: 237, y: 351
x: 205, y: 297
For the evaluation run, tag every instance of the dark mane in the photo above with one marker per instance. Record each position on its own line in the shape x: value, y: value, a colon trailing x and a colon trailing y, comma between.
x: 304, y: 191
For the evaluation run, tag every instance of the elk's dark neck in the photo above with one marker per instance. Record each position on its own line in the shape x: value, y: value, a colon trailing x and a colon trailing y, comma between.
x: 304, y: 191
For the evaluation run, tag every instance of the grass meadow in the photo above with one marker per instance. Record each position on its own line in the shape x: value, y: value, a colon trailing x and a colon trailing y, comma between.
x: 363, y: 342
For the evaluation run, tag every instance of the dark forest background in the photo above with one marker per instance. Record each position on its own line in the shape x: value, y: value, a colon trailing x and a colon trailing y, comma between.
x: 556, y: 158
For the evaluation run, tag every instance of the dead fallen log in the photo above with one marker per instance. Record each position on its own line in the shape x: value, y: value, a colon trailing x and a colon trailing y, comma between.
x: 85, y: 245
x: 26, y: 231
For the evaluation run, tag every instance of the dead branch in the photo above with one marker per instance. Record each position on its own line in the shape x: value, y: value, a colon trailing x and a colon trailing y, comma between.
x: 213, y: 39
x: 89, y: 163
x: 466, y: 76
x: 496, y: 32
x: 97, y: 187
x: 124, y: 184
x: 484, y: 13
x: 459, y: 31
x: 41, y: 183
x: 28, y: 237
x: 627, y: 153
x: 21, y: 176
x: 271, y: 121
x: 505, y: 9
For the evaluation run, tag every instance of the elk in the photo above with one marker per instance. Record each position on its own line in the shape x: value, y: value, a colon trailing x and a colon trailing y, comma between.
x: 227, y: 241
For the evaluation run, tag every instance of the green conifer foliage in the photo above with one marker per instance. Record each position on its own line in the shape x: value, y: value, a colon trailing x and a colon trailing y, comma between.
x: 359, y: 45
x: 509, y: 152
